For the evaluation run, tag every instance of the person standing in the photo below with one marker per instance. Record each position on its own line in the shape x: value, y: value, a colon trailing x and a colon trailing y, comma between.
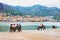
x: 19, y: 28
x: 14, y: 27
x: 44, y: 28
x: 11, y: 28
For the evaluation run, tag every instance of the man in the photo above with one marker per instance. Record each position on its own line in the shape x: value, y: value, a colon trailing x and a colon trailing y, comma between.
x: 11, y: 28
x: 54, y: 27
x: 14, y: 27
x: 19, y: 28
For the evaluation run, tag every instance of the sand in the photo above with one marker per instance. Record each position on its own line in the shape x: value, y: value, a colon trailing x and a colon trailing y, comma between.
x: 49, y: 34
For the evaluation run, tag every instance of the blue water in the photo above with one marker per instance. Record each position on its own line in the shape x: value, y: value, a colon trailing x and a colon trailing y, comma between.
x: 5, y: 26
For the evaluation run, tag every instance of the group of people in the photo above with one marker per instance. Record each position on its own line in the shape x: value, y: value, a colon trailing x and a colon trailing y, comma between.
x: 14, y: 27
x: 18, y: 27
x: 42, y: 27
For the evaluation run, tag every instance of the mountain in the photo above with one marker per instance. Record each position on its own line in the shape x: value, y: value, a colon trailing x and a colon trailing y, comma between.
x: 35, y: 10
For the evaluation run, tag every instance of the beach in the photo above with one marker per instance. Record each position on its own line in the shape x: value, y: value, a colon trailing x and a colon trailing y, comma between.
x: 49, y: 34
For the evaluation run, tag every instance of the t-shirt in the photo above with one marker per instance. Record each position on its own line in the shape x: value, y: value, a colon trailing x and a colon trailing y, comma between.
x: 14, y: 26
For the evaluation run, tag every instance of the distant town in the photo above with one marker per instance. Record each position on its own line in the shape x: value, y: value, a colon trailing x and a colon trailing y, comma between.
x: 26, y: 18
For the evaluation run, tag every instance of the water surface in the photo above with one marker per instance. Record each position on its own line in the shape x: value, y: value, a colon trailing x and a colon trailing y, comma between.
x: 5, y: 26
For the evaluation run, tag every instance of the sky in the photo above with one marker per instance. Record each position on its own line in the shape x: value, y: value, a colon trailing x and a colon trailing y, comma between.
x: 26, y: 3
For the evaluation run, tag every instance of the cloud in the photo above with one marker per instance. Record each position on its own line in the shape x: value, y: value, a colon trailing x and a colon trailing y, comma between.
x: 49, y: 3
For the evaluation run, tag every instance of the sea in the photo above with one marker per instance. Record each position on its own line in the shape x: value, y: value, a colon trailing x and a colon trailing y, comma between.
x: 5, y: 26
